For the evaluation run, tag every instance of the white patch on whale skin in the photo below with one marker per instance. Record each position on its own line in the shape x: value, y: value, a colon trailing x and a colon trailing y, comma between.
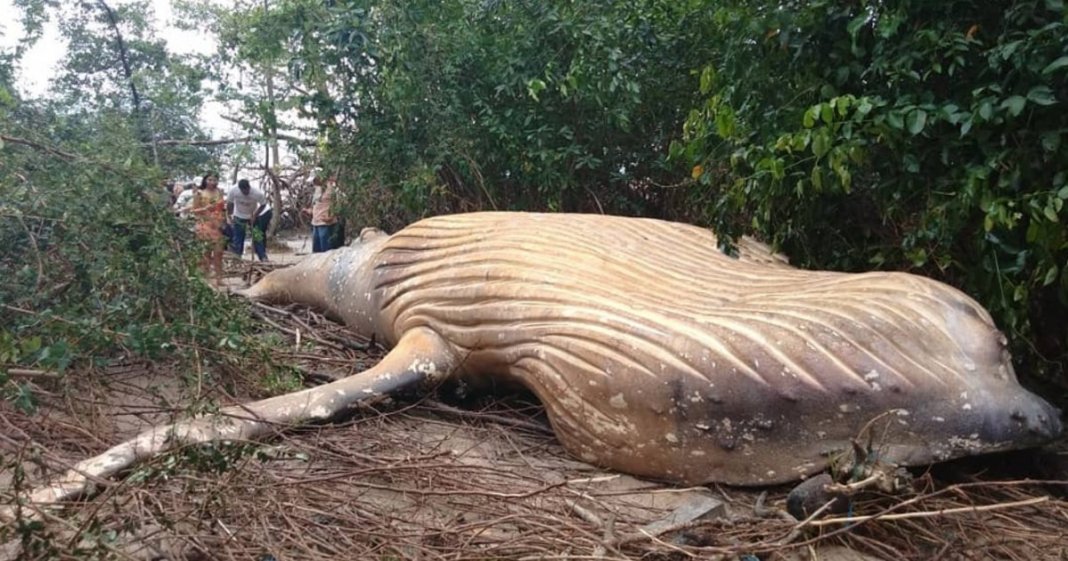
x: 424, y: 367
x: 618, y: 401
x: 671, y: 437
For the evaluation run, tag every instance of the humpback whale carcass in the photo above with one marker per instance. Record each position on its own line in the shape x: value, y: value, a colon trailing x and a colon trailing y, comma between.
x: 653, y: 352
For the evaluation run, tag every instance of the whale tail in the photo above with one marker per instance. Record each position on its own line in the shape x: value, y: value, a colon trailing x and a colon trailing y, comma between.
x: 296, y: 283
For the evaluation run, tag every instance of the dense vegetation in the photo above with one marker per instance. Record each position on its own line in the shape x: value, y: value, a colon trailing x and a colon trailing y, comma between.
x: 901, y: 135
x: 95, y: 266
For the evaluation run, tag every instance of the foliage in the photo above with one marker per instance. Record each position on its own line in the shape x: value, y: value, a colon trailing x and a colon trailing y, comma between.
x: 904, y: 135
x: 92, y: 79
x: 431, y: 106
x: 95, y: 264
x: 898, y: 135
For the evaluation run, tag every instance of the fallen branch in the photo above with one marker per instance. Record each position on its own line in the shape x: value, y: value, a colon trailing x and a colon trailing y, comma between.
x: 929, y: 513
x: 31, y: 373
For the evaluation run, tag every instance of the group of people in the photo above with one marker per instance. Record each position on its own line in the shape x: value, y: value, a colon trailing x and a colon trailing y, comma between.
x: 226, y: 220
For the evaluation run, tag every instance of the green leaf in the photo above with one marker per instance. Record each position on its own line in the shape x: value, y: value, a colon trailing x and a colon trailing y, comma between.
x: 1041, y: 95
x: 895, y: 120
x: 827, y: 113
x: 986, y: 110
x: 1051, y: 275
x: 918, y: 257
x: 842, y: 105
x: 23, y: 398
x: 809, y: 120
x: 1063, y: 193
x: 707, y: 77
x: 534, y: 87
x: 1014, y: 104
x: 1055, y: 5
x: 1050, y: 213
x: 1056, y: 65
x: 820, y: 144
x: 1051, y: 141
x: 817, y: 178
x: 916, y: 120
x: 864, y: 107
x: 912, y: 165
x: 952, y: 113
x: 725, y: 124
x: 856, y: 23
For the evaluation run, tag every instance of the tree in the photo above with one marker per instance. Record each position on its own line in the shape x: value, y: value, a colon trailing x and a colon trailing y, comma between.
x: 905, y: 135
x: 251, y: 69
x: 115, y: 65
x: 94, y: 261
x: 463, y: 104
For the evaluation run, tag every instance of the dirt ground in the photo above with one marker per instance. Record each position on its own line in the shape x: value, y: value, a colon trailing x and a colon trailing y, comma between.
x: 450, y: 475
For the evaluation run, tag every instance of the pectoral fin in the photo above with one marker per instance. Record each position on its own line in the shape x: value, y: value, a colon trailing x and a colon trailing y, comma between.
x: 420, y: 356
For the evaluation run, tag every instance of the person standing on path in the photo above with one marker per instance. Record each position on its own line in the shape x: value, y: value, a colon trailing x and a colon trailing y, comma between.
x: 259, y: 230
x: 209, y: 210
x: 245, y: 204
x: 325, y: 230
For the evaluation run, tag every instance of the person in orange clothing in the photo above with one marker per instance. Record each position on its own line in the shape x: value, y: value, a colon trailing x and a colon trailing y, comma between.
x: 209, y: 210
x: 326, y: 231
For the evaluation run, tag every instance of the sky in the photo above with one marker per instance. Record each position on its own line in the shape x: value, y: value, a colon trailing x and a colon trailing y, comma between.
x: 40, y: 63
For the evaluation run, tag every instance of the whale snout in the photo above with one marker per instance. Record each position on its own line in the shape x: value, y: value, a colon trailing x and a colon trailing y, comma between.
x: 1022, y: 420
x: 1045, y: 421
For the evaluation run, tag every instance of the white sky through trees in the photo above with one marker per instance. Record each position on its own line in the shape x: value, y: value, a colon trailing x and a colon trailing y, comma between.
x: 40, y: 63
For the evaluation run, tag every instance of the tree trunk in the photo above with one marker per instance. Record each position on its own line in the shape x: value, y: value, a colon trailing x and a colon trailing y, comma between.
x: 127, y: 71
x: 276, y: 191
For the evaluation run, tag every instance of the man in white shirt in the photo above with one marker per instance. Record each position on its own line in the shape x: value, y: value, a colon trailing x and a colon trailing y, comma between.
x: 184, y: 200
x: 245, y: 204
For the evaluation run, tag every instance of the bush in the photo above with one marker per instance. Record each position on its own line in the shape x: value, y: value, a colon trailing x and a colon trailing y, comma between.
x: 901, y: 135
x: 96, y: 266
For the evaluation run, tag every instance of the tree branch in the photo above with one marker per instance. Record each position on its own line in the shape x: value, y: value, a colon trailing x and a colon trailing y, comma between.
x: 123, y: 57
x: 38, y: 146
x: 220, y: 141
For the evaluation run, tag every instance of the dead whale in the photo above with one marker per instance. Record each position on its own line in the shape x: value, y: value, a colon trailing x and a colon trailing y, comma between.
x: 654, y: 353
